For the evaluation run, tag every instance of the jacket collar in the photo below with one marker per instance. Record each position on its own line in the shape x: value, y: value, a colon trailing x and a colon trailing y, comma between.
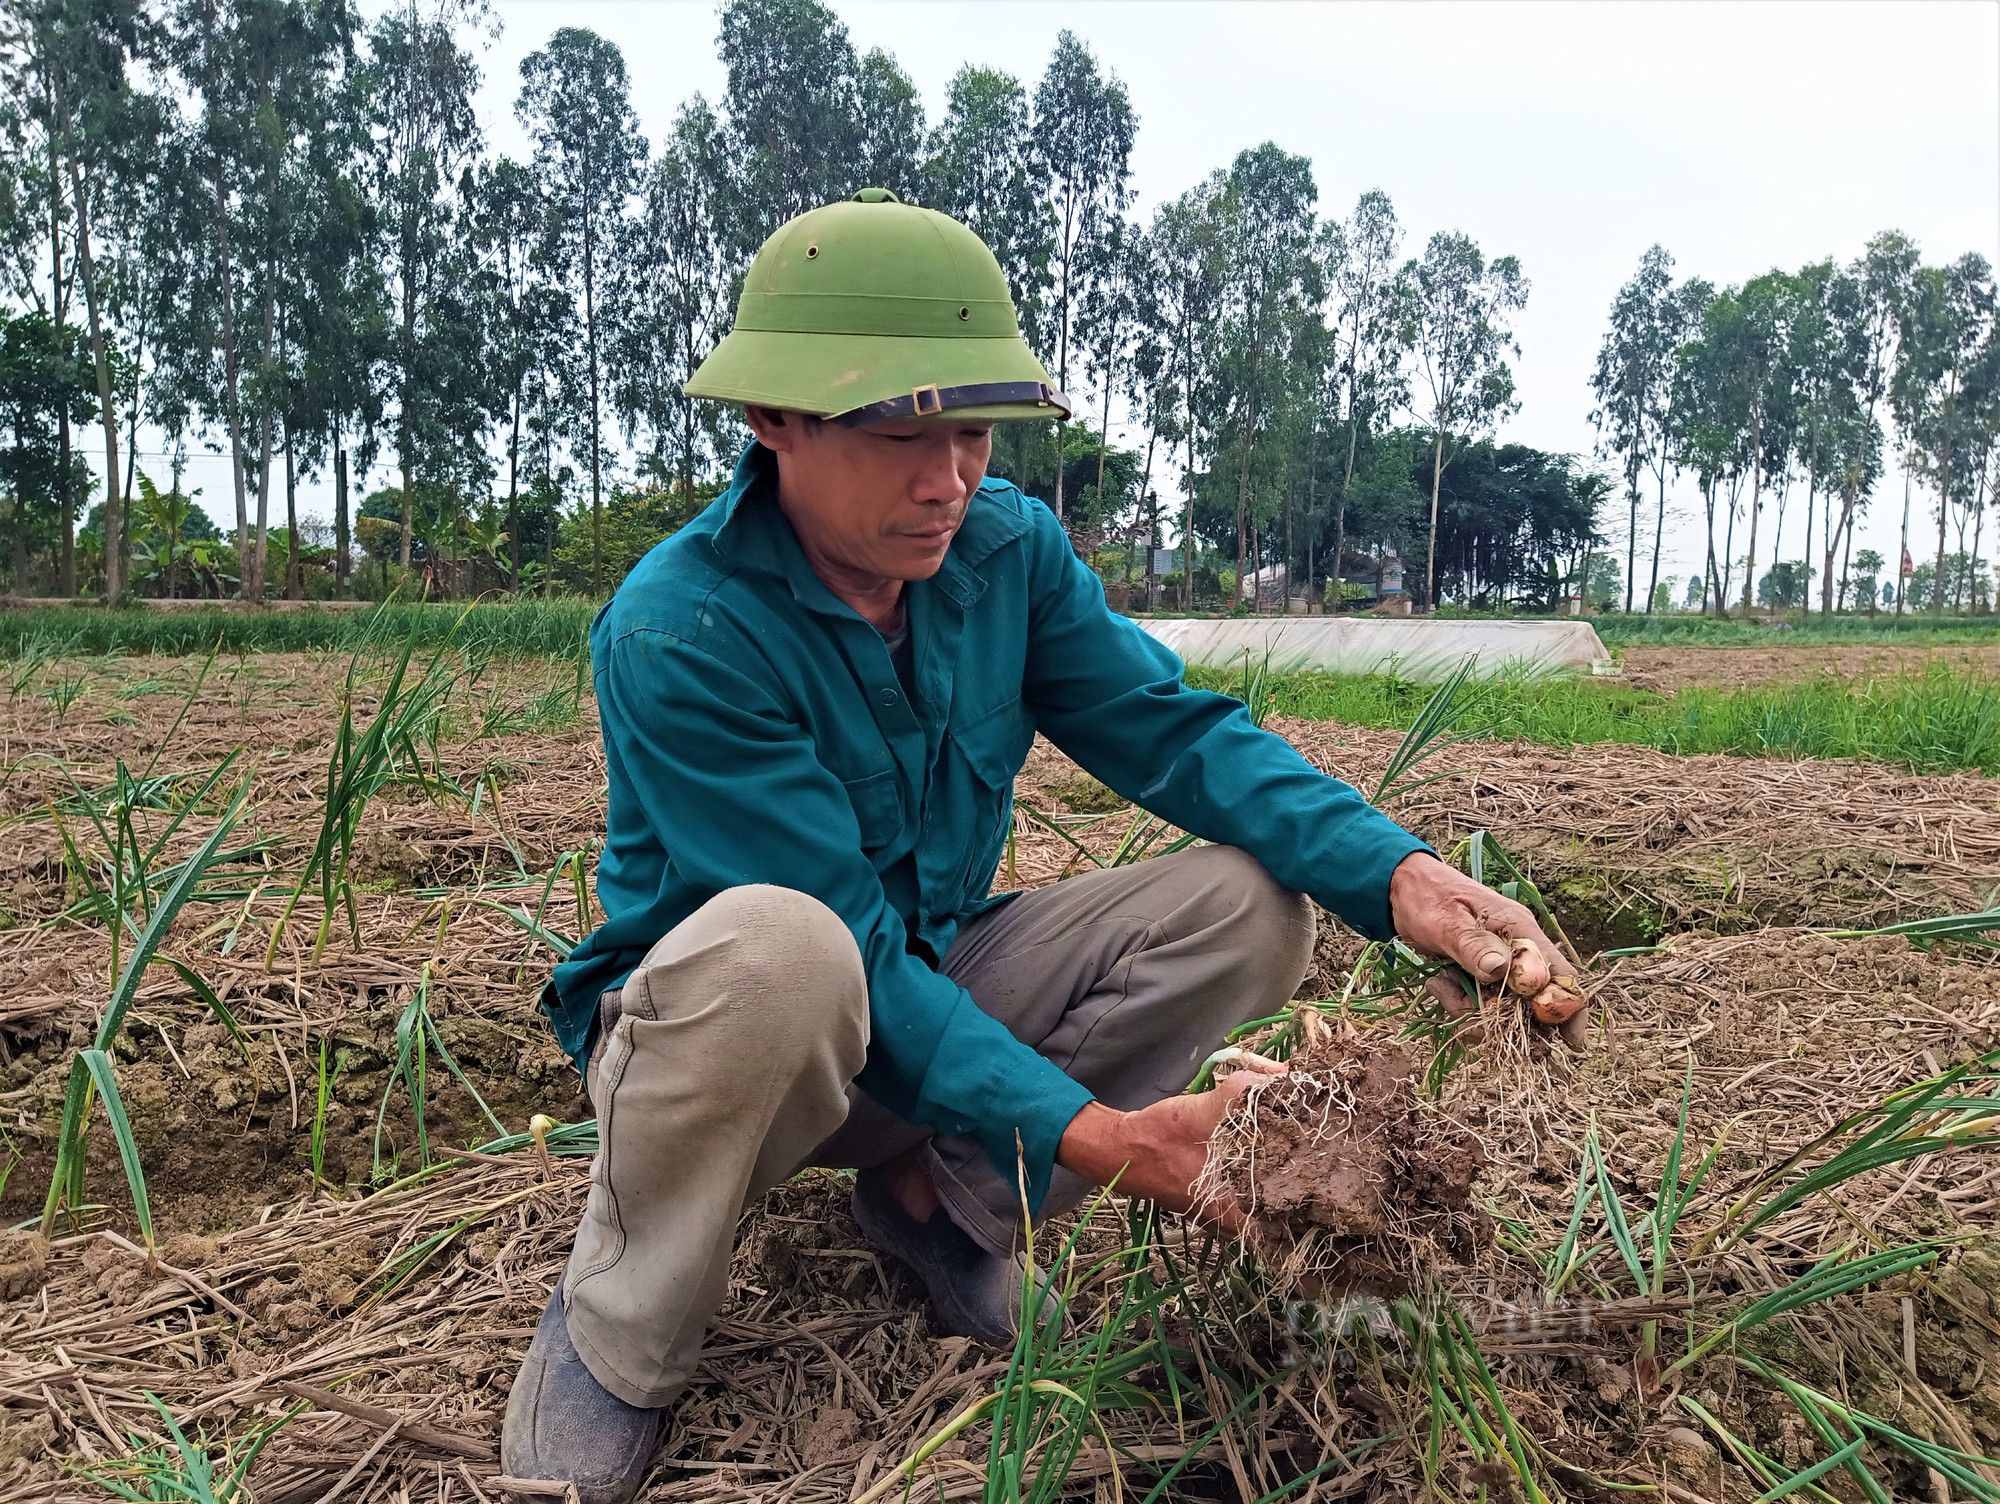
x: 750, y: 532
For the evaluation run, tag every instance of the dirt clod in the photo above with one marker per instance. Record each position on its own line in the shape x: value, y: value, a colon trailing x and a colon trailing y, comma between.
x: 1351, y: 1182
x: 24, y: 1264
x: 188, y: 1250
x: 833, y: 1436
x: 120, y: 1277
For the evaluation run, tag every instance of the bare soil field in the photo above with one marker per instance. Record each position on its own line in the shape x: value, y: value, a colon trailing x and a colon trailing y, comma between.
x: 1671, y: 668
x: 354, y: 1248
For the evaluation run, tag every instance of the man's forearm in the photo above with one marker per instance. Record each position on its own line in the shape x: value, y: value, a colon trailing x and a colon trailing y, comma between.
x: 1157, y: 1153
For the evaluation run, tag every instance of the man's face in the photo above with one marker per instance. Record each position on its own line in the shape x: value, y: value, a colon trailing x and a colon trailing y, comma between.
x: 881, y: 501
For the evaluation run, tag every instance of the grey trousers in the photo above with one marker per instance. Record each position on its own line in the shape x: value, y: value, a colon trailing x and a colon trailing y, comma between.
x: 732, y: 1064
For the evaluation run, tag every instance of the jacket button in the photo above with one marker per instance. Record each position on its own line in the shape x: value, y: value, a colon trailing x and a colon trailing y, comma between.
x: 888, y: 697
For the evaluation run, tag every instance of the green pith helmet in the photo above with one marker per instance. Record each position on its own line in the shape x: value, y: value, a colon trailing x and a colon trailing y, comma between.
x: 873, y: 309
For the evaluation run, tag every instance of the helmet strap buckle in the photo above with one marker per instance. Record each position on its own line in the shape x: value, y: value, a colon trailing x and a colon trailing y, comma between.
x: 917, y: 396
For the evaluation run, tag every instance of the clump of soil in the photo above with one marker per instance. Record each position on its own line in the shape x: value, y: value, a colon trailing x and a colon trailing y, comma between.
x: 24, y: 1264
x: 1350, y: 1181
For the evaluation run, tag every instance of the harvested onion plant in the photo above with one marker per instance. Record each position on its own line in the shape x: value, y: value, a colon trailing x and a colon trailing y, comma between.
x: 1351, y: 1182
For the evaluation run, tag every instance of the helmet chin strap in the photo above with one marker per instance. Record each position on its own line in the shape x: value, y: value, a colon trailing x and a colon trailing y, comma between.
x: 929, y: 401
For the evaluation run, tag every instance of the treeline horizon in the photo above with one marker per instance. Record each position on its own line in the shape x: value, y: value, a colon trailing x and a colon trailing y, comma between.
x: 1793, y: 379
x: 267, y: 226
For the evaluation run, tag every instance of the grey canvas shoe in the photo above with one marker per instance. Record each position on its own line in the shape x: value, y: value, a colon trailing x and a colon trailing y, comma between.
x: 973, y: 1293
x: 563, y: 1426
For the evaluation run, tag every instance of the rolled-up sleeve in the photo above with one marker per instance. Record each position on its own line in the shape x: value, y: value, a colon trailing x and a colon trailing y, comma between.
x: 736, y: 794
x: 1112, y: 698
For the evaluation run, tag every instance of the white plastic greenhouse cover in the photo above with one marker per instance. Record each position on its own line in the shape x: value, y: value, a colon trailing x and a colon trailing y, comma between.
x: 1422, y: 650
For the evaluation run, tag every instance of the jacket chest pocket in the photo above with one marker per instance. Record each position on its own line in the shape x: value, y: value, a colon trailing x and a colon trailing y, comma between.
x: 990, y: 751
x: 878, y: 807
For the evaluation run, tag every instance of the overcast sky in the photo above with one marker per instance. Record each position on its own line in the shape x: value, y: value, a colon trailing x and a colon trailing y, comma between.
x: 1572, y: 135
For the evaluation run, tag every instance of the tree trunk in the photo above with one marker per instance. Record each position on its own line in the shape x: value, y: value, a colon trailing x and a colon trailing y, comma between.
x: 405, y: 427
x: 341, y: 543
x: 514, y: 495
x: 596, y: 448
x: 1756, y: 506
x: 58, y: 308
x: 1978, y: 526
x: 107, y: 405
x: 1285, y: 608
x: 1312, y: 488
x: 1833, y: 531
x: 291, y: 520
x: 1257, y: 568
x: 1062, y: 335
x: 1430, y: 561
x: 1340, y: 514
x: 1904, y: 549
x: 687, y: 421
x: 1659, y: 527
x: 1632, y: 545
x: 1242, y: 507
x: 1805, y: 554
x: 232, y: 377
x: 1846, y: 567
x: 1712, y: 585
x: 1104, y: 430
x: 18, y: 536
x: 1729, y: 539
x: 1187, y: 527
x: 1944, y: 491
x: 1152, y: 505
x: 132, y: 427
x: 1944, y: 508
x: 267, y: 437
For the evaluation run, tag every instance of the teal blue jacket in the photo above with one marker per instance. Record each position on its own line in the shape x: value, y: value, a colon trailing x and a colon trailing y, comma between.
x: 755, y: 731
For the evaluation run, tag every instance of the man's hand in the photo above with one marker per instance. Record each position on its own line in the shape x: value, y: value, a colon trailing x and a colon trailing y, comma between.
x: 1439, y: 911
x: 1158, y: 1152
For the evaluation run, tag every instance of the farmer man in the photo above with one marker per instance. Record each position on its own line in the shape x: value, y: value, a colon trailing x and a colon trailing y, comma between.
x: 815, y: 698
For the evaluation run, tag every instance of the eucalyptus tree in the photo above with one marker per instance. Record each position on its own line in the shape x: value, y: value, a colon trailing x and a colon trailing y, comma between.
x: 576, y: 103
x: 1633, y: 384
x: 1814, y: 354
x: 1747, y: 335
x: 523, y: 309
x: 1273, y: 286
x: 296, y: 56
x: 983, y: 169
x: 1704, y: 417
x: 671, y: 283
x: 1180, y: 306
x: 47, y: 387
x: 1368, y: 317
x: 203, y: 360
x: 1863, y: 302
x: 1084, y: 128
x: 78, y: 132
x: 1945, y: 357
x: 344, y: 323
x: 80, y: 58
x: 23, y: 221
x: 790, y: 114
x: 1682, y: 317
x: 1106, y: 327
x: 1458, y: 323
x: 1149, y: 388
x: 888, y: 127
x: 420, y: 82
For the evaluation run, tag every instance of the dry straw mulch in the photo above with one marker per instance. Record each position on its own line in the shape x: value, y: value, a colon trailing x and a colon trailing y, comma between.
x: 821, y: 1374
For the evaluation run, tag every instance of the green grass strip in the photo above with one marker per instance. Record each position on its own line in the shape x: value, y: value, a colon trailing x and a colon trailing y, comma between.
x: 501, y: 629
x: 1933, y: 721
